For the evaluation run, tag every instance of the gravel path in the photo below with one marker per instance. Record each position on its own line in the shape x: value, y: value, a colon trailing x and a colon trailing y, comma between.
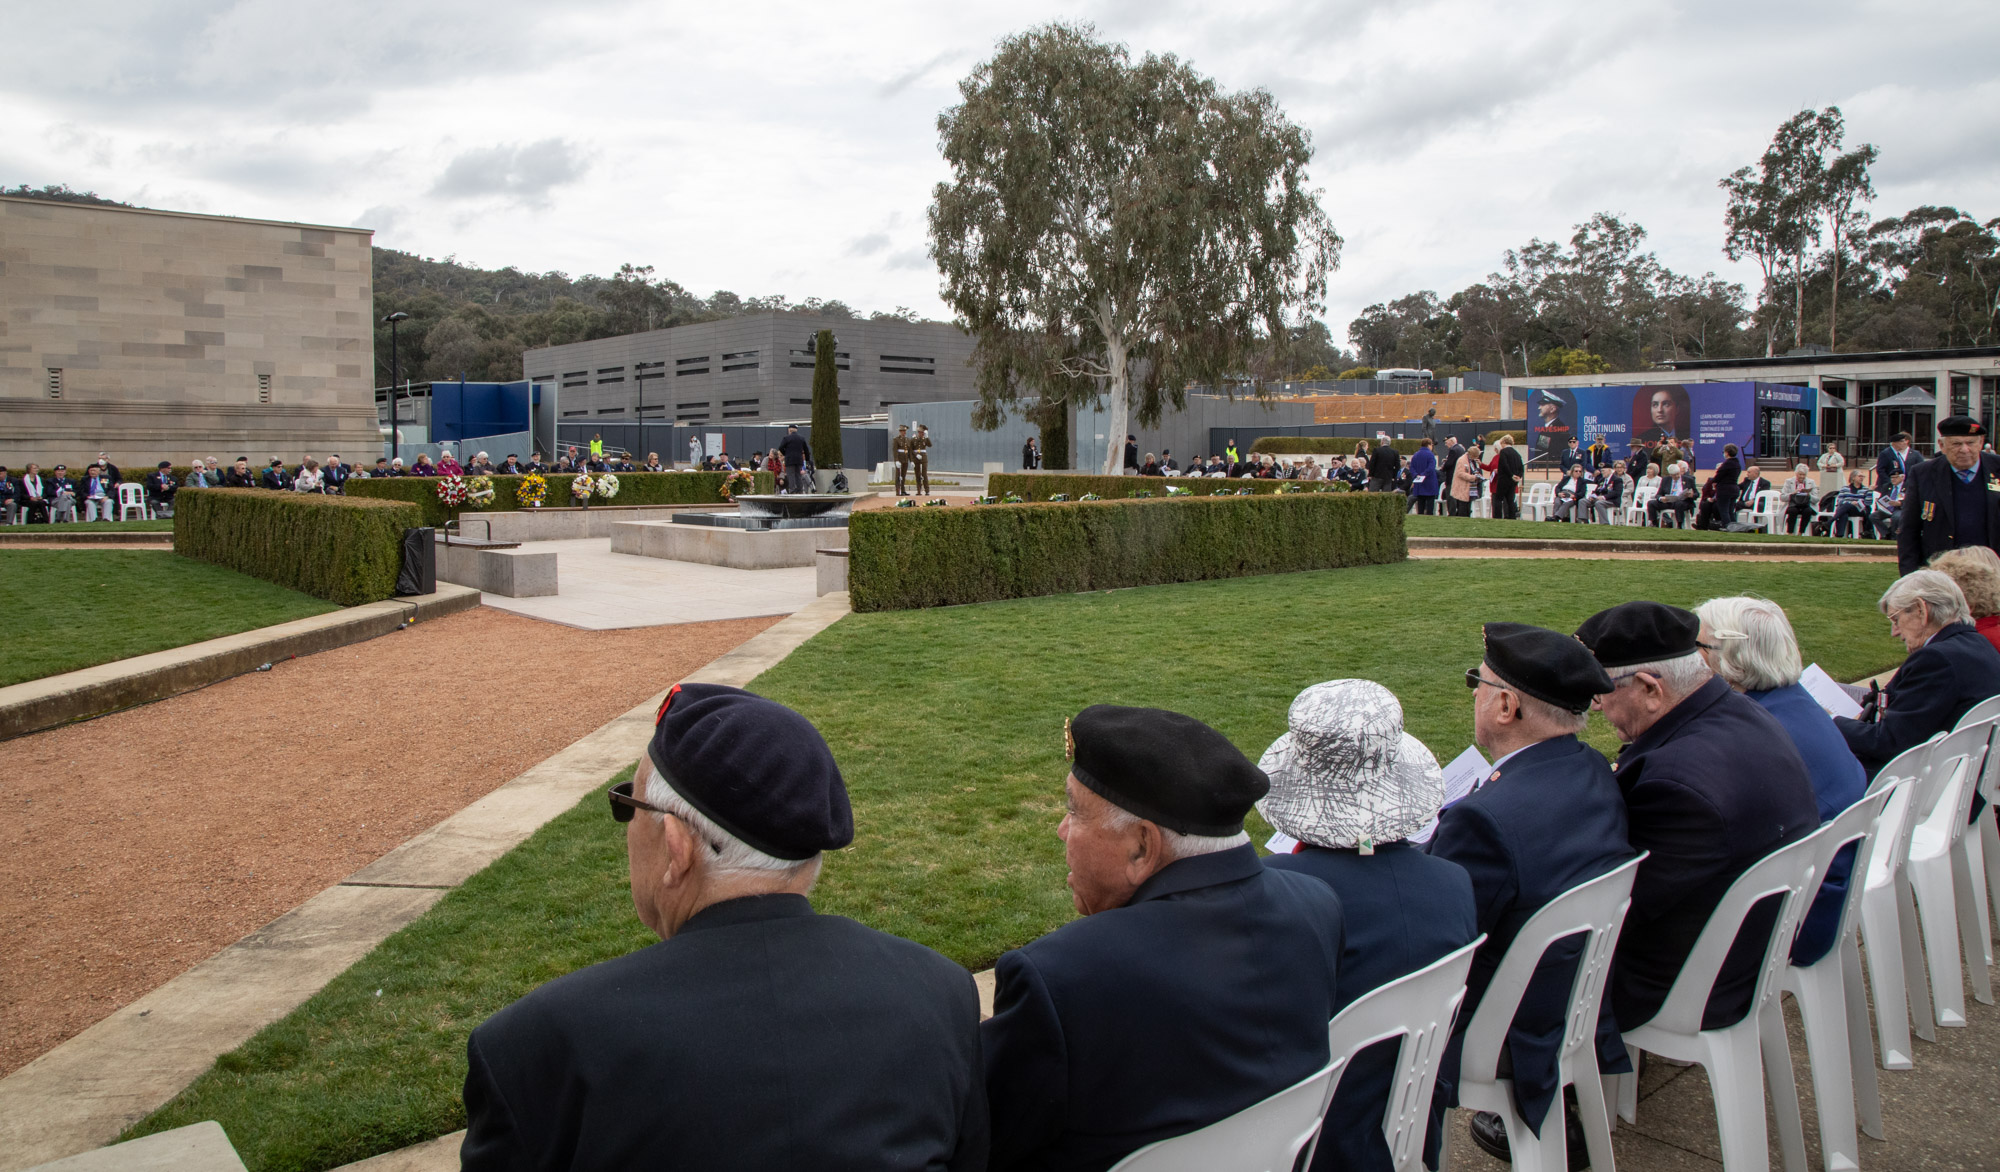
x: 140, y: 843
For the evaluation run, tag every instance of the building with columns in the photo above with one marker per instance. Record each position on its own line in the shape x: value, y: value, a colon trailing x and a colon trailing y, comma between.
x: 1863, y: 398
x: 152, y: 335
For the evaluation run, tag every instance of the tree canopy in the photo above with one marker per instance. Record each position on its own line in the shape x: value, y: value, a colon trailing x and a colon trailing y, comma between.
x: 1117, y: 230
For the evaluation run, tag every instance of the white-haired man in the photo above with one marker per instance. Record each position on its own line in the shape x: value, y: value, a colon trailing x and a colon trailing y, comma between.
x: 1950, y: 668
x: 1712, y: 784
x: 1678, y: 495
x: 757, y: 1034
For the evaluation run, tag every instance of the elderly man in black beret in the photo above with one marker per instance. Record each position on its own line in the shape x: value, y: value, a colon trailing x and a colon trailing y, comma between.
x: 1950, y: 502
x: 757, y: 1034
x: 1197, y: 983
x: 1712, y: 784
x: 1547, y: 818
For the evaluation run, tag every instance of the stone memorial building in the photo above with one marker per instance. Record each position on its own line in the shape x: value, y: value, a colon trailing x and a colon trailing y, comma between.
x: 154, y: 335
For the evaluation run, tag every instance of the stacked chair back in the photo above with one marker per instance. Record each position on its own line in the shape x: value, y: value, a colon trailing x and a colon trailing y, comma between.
x: 1982, y: 870
x: 1938, y: 872
x: 1418, y: 1009
x: 1730, y: 1054
x: 1597, y: 908
x: 1888, y: 930
x: 1827, y: 1007
x: 1264, y: 1137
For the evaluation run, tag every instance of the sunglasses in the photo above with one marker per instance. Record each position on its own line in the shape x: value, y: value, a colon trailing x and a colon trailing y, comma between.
x: 625, y: 807
x: 1473, y: 679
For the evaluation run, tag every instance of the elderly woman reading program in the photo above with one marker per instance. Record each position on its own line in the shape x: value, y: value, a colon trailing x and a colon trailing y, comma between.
x: 1950, y: 668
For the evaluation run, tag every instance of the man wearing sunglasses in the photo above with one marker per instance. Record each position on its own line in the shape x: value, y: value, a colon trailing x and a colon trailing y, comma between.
x: 757, y: 1034
x: 1712, y: 784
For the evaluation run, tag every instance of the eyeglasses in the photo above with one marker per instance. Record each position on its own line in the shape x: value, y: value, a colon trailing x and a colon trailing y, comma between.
x: 625, y: 807
x: 1473, y: 679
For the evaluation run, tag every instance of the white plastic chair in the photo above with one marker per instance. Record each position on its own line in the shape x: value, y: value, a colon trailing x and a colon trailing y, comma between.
x: 1888, y: 915
x: 1537, y: 501
x: 1598, y: 908
x: 1264, y: 1137
x: 1731, y: 1054
x: 1418, y: 1009
x: 1982, y: 840
x: 1985, y: 710
x: 1826, y: 1004
x: 1765, y: 511
x: 133, y: 496
x: 1635, y: 513
x: 1938, y: 869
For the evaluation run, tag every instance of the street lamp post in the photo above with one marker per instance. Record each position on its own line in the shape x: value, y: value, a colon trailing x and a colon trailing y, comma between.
x: 395, y: 373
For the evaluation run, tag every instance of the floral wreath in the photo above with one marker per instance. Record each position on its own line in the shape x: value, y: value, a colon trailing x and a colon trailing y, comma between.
x: 741, y: 480
x: 451, y: 491
x: 581, y: 485
x: 479, y: 491
x: 606, y: 485
x: 532, y: 490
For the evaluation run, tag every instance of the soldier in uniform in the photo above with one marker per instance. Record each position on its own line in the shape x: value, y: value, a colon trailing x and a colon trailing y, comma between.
x: 900, y: 449
x: 920, y: 455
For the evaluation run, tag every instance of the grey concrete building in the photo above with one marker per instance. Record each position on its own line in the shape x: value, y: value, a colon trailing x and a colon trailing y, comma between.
x: 750, y: 369
x: 155, y: 335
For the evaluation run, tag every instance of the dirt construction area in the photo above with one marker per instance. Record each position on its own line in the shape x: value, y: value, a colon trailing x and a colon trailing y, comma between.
x: 138, y: 844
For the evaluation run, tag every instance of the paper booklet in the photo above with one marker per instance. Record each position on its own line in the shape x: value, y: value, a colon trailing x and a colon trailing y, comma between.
x: 1831, y: 695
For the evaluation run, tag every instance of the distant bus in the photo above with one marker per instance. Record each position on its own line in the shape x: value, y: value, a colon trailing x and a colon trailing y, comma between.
x: 1403, y: 374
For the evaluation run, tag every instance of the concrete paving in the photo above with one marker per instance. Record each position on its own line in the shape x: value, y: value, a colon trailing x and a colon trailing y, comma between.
x: 85, y: 1092
x: 198, y: 1147
x: 604, y: 591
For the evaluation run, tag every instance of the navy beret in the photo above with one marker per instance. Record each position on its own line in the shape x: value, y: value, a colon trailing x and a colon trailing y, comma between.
x: 1960, y: 425
x: 753, y: 767
x: 1550, y: 666
x: 1639, y: 632
x: 1165, y: 768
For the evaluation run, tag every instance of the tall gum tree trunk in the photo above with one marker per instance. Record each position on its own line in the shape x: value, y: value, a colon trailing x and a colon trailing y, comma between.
x: 1117, y: 357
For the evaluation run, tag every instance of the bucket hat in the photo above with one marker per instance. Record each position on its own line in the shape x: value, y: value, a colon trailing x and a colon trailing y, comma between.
x: 1345, y: 774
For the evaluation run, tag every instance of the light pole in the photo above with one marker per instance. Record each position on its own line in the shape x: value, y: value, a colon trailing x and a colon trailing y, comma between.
x: 395, y: 373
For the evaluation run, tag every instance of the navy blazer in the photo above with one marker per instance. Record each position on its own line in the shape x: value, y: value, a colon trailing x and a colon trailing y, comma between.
x: 1402, y: 910
x: 760, y: 1036
x: 1209, y: 991
x: 1549, y: 818
x: 1838, y: 782
x: 1930, y: 522
x: 1710, y: 789
x: 1936, y: 685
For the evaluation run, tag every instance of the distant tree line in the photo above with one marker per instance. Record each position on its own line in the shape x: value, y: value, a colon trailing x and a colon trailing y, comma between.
x: 1832, y: 276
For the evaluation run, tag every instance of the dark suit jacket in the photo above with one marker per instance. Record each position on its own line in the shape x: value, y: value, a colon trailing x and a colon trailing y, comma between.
x: 1384, y: 462
x: 1452, y: 455
x: 1710, y: 789
x: 761, y: 1036
x: 276, y: 478
x: 1209, y: 991
x: 1549, y: 818
x: 1887, y: 465
x: 234, y: 479
x: 1930, y: 521
x: 1402, y: 909
x: 1935, y: 686
x: 1508, y: 470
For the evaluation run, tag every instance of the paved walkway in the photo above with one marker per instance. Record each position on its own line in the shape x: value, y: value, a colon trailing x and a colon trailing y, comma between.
x: 602, y: 591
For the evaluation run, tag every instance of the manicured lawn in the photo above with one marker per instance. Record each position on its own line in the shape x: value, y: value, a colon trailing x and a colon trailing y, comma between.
x: 72, y: 608
x: 1417, y: 526
x: 166, y: 526
x: 948, y: 727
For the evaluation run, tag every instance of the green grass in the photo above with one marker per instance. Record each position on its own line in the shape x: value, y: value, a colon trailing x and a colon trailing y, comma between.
x: 73, y: 608
x: 1416, y: 526
x: 948, y: 727
x: 166, y: 526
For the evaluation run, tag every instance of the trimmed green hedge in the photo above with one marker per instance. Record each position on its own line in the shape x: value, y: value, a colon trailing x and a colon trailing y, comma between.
x: 903, y: 559
x: 634, y: 488
x: 1328, y: 445
x: 1041, y: 486
x: 1517, y: 438
x: 344, y: 550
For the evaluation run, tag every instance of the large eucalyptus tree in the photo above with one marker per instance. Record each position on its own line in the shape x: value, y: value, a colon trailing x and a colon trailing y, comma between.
x: 1120, y: 229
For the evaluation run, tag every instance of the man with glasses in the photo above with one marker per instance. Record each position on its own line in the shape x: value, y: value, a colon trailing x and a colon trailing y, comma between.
x: 1548, y: 817
x: 757, y: 1034
x: 1950, y: 502
x: 1712, y: 784
x: 1950, y: 668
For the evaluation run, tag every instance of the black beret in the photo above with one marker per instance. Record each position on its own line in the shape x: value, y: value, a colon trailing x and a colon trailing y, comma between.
x: 1166, y: 768
x: 753, y: 767
x: 1960, y: 425
x: 1639, y: 632
x: 1548, y: 665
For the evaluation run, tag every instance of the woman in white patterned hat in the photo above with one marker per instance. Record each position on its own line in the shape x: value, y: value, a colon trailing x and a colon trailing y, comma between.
x: 1352, y: 788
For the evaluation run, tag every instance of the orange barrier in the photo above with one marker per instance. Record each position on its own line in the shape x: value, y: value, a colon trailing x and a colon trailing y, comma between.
x: 1451, y: 408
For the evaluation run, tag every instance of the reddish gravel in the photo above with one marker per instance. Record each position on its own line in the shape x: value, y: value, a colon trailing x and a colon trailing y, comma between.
x: 140, y: 843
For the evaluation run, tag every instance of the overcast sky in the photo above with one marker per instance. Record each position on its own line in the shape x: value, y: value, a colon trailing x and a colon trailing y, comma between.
x: 791, y: 148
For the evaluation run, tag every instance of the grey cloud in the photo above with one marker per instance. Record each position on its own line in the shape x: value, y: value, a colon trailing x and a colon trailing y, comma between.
x: 524, y: 174
x: 903, y: 81
x: 383, y: 218
x: 868, y: 245
x: 909, y: 258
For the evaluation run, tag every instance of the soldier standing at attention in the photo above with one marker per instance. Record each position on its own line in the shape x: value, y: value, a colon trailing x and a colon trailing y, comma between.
x: 900, y: 449
x: 920, y: 455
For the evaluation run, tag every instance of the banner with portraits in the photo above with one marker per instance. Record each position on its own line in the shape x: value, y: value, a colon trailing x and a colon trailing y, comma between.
x: 1707, y: 414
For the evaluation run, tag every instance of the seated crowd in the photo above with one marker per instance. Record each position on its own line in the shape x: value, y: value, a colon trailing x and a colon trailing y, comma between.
x: 1199, y: 978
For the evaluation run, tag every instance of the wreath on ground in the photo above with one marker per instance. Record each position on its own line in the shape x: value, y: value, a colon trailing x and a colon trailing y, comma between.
x: 533, y: 490
x: 479, y: 491
x: 581, y: 486
x: 736, y: 482
x: 606, y: 485
x: 451, y: 491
